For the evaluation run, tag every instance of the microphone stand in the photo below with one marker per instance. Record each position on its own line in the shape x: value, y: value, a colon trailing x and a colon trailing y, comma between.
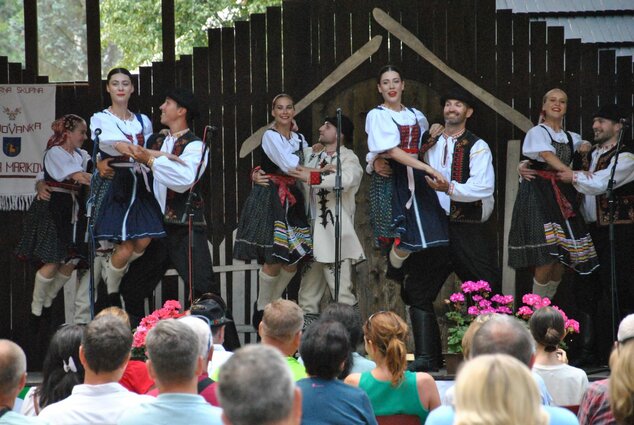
x: 614, y: 297
x: 90, y: 235
x: 338, y: 189
x: 188, y: 214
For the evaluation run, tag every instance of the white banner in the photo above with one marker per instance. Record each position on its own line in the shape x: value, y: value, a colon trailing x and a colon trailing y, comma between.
x: 26, y: 114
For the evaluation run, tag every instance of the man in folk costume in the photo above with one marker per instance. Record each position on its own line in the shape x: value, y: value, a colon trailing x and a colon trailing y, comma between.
x: 593, y: 292
x: 172, y: 182
x: 467, y: 197
x: 319, y: 274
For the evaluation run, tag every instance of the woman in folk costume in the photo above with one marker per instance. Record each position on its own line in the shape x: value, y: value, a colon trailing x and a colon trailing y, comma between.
x: 273, y: 227
x: 51, y: 230
x: 547, y: 231
x: 394, y: 135
x: 126, y: 211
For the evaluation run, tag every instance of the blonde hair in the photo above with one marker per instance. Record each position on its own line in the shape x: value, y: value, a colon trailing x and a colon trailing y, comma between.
x: 282, y: 319
x: 116, y: 312
x: 542, y: 116
x: 497, y: 389
x: 467, y: 338
x: 622, y: 382
x: 388, y: 333
x: 282, y: 96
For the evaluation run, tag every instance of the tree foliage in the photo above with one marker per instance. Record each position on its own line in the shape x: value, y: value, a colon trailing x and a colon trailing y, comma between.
x: 130, y: 31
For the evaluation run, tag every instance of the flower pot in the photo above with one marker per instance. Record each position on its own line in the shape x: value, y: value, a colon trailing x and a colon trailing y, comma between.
x: 452, y: 361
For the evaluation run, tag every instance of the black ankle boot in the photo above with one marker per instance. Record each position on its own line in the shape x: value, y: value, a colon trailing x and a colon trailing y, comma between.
x: 426, y: 341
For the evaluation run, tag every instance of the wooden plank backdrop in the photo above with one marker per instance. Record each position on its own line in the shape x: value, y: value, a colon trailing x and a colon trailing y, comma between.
x: 292, y: 48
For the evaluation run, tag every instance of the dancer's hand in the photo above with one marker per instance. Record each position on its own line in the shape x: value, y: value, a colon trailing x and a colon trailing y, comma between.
x: 565, y: 176
x: 436, y: 130
x: 260, y: 178
x: 584, y: 147
x: 436, y: 181
x: 104, y: 168
x: 525, y: 172
x: 382, y: 167
x: 43, y: 191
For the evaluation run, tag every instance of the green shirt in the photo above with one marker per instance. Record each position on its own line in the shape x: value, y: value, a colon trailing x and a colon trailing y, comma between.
x: 297, y: 369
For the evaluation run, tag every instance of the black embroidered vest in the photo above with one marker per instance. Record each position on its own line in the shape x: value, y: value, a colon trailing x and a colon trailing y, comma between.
x: 175, y: 203
x: 623, y: 196
x: 460, y: 212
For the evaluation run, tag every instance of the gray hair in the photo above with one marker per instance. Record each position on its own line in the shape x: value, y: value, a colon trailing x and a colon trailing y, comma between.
x: 106, y: 343
x: 172, y: 348
x: 282, y: 319
x: 504, y: 334
x: 202, y: 330
x: 255, y: 386
x: 12, y: 366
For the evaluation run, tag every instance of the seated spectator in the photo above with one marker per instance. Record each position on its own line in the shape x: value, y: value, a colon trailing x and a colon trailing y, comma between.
x: 61, y: 371
x: 498, y: 389
x: 565, y: 383
x: 595, y: 408
x: 175, y: 362
x: 392, y: 389
x: 503, y: 334
x: 349, y: 317
x: 12, y: 381
x: 104, y: 353
x: 135, y: 377
x: 213, y: 308
x: 255, y: 387
x: 325, y: 399
x: 281, y: 327
x: 200, y: 326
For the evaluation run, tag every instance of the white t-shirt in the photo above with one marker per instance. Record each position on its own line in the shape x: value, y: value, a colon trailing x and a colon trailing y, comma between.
x: 565, y: 383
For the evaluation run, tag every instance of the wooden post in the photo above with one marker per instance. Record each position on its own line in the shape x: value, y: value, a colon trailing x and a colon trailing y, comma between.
x: 510, y: 193
x: 93, y: 52
x: 30, y: 37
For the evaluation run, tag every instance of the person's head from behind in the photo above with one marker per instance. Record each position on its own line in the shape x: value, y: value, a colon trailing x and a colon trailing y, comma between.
x: 12, y: 371
x: 385, y: 338
x: 213, y: 307
x: 281, y: 325
x: 173, y: 352
x: 116, y: 312
x: 497, y: 389
x: 62, y: 369
x: 504, y: 334
x: 467, y: 338
x: 200, y: 326
x: 324, y: 349
x: 351, y: 320
x: 547, y: 327
x: 622, y: 373
x: 255, y: 386
x: 105, y: 346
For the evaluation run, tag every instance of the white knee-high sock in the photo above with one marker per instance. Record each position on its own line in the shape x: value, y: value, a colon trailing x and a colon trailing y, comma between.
x: 114, y: 276
x: 551, y: 288
x: 540, y: 289
x: 40, y: 286
x: 54, y: 287
x: 283, y: 279
x: 265, y: 289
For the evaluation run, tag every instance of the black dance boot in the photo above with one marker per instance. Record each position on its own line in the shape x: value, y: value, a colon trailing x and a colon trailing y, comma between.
x: 426, y: 341
x: 587, y: 355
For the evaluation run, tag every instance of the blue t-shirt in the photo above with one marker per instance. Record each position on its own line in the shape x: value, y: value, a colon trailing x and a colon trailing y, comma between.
x: 173, y: 408
x: 331, y: 402
x: 444, y: 415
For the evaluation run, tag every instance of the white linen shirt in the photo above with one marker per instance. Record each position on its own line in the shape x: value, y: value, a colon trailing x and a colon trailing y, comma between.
x: 281, y: 150
x: 173, y: 175
x: 537, y: 141
x: 61, y: 164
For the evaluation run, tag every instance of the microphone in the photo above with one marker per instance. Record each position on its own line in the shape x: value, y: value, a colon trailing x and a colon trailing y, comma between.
x: 625, y: 122
x: 97, y: 132
x: 210, y: 131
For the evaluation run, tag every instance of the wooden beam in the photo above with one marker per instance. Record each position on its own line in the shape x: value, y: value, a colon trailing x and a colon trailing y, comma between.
x: 169, y: 30
x: 93, y: 50
x: 30, y: 36
x: 514, y: 149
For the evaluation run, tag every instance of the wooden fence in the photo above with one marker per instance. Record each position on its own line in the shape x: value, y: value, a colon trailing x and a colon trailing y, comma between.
x: 291, y: 49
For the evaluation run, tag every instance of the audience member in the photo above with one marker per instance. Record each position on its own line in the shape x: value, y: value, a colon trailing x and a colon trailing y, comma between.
x: 392, y: 389
x: 135, y: 376
x: 349, y: 317
x: 256, y: 387
x: 498, y: 389
x: 596, y: 408
x: 175, y: 361
x: 326, y: 400
x: 104, y: 353
x: 213, y: 308
x: 12, y: 380
x: 566, y: 384
x: 503, y: 334
x: 61, y: 371
x: 281, y: 327
x: 467, y: 338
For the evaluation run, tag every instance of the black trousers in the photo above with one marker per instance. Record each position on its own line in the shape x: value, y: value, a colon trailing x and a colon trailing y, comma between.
x: 162, y: 254
x: 470, y: 255
x: 593, y: 292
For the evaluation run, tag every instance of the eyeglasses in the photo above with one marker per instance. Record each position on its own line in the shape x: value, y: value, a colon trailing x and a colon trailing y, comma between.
x: 206, y: 320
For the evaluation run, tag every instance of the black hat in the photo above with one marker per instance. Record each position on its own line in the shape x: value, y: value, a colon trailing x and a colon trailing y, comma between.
x: 347, y: 128
x: 185, y: 99
x: 611, y: 112
x: 213, y: 308
x: 458, y: 93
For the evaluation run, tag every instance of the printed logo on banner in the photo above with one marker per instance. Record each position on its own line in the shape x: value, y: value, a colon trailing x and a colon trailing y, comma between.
x: 11, y: 146
x: 11, y: 113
